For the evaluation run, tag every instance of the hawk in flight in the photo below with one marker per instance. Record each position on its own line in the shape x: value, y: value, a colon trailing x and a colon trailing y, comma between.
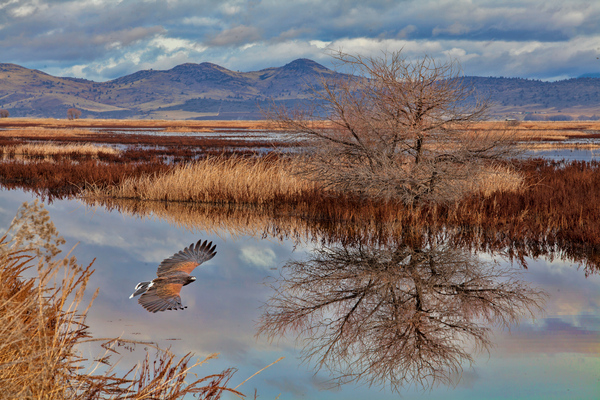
x: 162, y: 293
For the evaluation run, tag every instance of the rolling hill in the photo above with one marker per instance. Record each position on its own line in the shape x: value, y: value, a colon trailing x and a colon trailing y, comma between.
x: 209, y: 91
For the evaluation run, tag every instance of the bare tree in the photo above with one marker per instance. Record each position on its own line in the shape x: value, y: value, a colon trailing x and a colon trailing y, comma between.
x: 397, y: 316
x: 73, y: 113
x: 4, y: 113
x: 395, y: 129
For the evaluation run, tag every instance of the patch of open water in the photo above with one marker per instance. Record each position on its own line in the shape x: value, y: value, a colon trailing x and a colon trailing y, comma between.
x: 566, y: 154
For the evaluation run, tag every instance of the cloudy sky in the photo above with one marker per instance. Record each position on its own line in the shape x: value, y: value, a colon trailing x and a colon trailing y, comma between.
x: 105, y: 39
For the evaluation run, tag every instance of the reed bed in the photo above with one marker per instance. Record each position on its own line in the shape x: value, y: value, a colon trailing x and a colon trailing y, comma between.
x: 45, y: 132
x: 42, y: 323
x: 239, y: 180
x: 134, y: 123
x: 497, y: 178
x: 168, y: 143
x: 47, y: 150
x: 526, y: 133
x: 562, y: 146
x: 531, y: 132
x: 64, y: 177
x: 187, y: 129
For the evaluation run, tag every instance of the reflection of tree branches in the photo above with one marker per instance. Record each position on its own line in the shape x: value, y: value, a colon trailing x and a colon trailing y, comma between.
x: 399, y: 316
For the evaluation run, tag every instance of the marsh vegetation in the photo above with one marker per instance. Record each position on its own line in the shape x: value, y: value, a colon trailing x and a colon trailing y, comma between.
x: 547, y: 203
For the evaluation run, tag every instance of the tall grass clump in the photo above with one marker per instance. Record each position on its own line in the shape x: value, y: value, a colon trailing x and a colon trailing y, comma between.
x: 42, y: 323
x: 496, y: 178
x: 258, y: 180
x: 47, y: 150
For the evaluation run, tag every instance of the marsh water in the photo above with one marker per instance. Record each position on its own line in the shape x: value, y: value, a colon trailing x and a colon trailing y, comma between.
x: 359, y: 298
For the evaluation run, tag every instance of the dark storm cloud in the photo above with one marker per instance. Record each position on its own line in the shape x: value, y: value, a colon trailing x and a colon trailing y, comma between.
x: 97, y: 38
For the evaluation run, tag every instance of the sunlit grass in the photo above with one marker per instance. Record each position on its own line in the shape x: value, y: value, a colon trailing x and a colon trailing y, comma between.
x: 52, y: 149
x: 256, y: 180
x: 496, y: 179
x: 44, y: 131
x: 259, y: 180
x: 133, y: 123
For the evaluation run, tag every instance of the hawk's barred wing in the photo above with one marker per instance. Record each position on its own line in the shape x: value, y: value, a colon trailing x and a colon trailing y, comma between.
x: 187, y: 259
x: 162, y: 296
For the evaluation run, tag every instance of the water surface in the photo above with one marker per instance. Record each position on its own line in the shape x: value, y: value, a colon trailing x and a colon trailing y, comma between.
x: 554, y: 356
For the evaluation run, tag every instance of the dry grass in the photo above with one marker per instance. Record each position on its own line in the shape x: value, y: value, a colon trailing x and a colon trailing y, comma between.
x: 47, y: 150
x: 561, y: 146
x: 538, y: 131
x: 527, y: 132
x: 257, y: 181
x: 184, y: 129
x: 137, y: 124
x: 42, y: 323
x: 216, y: 180
x: 43, y: 131
x: 496, y: 179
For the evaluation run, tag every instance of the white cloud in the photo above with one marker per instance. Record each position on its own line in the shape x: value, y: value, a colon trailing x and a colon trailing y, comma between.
x: 23, y: 11
x: 173, y: 44
x: 7, y: 3
x: 319, y: 43
x: 258, y: 256
x: 231, y: 8
x: 569, y: 19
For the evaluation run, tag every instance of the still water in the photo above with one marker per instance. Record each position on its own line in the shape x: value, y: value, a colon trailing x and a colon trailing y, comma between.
x: 552, y: 354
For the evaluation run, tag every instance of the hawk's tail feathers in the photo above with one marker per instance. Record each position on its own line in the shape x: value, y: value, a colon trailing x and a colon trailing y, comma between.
x: 140, y: 288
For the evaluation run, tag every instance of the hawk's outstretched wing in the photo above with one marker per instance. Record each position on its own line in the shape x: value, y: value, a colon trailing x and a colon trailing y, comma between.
x: 162, y: 296
x: 187, y: 259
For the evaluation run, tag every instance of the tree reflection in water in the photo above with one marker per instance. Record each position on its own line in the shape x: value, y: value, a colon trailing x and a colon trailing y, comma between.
x: 396, y: 316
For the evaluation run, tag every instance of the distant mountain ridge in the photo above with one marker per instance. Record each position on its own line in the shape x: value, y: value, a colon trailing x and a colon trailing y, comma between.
x: 209, y: 91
